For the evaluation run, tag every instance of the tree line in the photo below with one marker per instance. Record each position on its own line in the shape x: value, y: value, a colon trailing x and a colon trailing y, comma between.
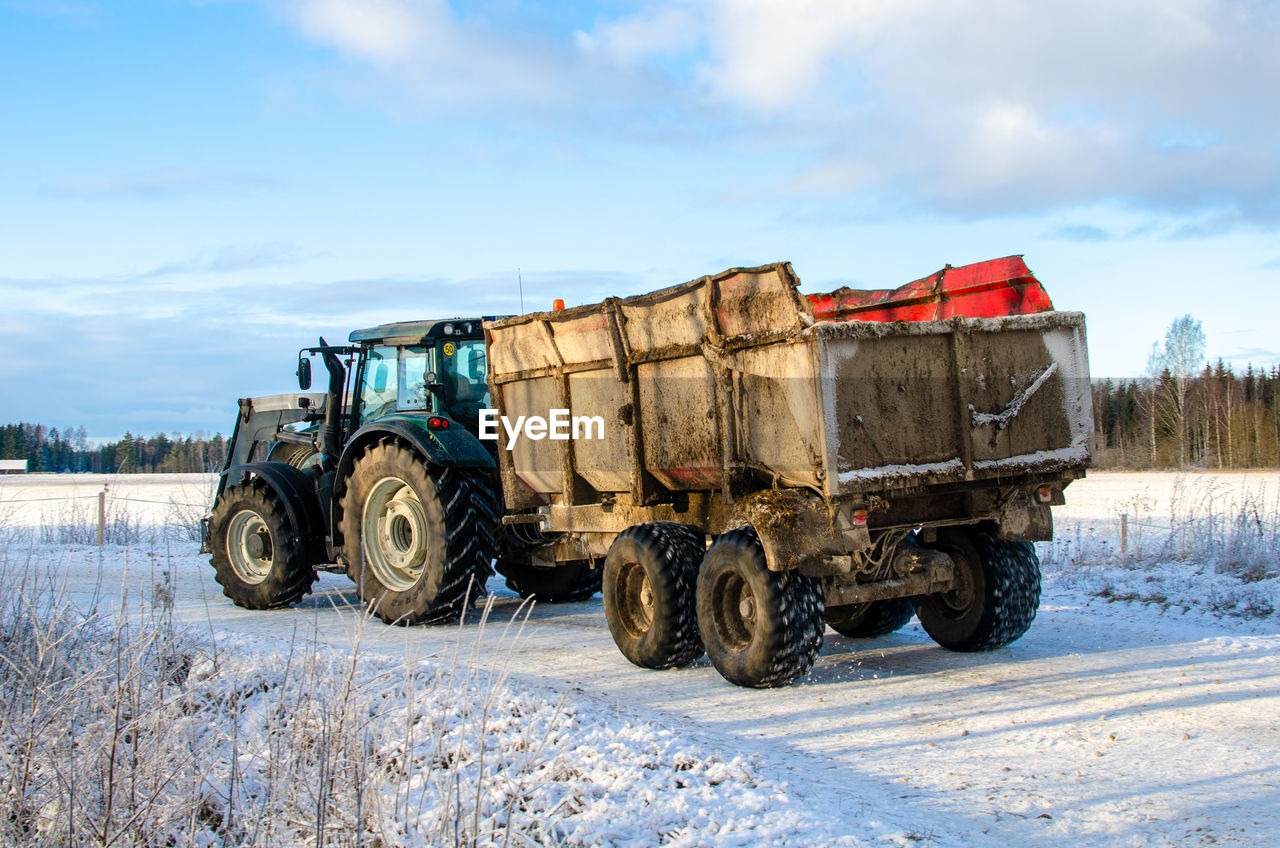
x: 1187, y: 413
x: 1181, y: 413
x: 69, y: 450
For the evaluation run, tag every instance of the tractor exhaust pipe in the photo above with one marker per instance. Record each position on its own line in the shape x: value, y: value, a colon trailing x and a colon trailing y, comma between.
x: 331, y: 435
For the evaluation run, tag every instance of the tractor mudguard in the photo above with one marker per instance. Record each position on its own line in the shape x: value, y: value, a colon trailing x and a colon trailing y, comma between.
x: 449, y: 447
x: 297, y: 492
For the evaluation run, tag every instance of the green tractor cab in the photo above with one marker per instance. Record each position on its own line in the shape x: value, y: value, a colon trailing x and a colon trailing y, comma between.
x: 417, y: 367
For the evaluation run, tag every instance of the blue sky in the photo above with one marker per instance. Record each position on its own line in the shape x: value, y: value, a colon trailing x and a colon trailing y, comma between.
x: 191, y: 190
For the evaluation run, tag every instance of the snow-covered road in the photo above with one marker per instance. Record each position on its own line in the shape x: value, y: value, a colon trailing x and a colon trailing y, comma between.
x: 1109, y: 723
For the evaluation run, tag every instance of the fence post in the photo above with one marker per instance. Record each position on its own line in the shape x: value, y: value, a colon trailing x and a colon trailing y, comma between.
x: 102, y: 515
x: 1124, y: 537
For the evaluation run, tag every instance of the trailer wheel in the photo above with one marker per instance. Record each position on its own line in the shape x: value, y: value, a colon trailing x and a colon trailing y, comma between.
x: 761, y: 628
x: 869, y: 620
x: 414, y: 538
x: 649, y: 578
x: 256, y: 556
x: 996, y: 596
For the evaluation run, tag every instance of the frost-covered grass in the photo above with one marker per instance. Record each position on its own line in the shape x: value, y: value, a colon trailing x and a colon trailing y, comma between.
x: 62, y: 509
x: 1205, y: 546
x: 126, y: 729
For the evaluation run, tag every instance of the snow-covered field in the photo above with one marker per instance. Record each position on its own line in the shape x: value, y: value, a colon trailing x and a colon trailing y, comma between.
x: 1141, y: 708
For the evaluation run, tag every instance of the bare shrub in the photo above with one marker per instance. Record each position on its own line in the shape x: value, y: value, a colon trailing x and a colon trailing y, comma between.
x: 127, y: 731
x: 1225, y: 546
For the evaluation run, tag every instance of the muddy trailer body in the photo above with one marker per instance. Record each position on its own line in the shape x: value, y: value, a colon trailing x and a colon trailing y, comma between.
x: 863, y: 459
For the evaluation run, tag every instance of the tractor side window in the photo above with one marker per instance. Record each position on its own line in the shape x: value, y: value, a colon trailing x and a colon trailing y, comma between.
x: 469, y: 376
x: 378, y: 394
x: 415, y: 364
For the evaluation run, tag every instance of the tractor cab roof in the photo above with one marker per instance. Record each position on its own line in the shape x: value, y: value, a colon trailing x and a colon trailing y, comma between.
x: 422, y: 331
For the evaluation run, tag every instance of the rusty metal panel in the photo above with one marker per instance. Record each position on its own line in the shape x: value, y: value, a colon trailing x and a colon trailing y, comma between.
x: 524, y: 345
x: 678, y: 420
x: 911, y: 404
x: 536, y: 462
x: 889, y: 401
x: 729, y: 377
x: 778, y: 399
x: 604, y: 463
x: 677, y: 318
x: 756, y: 300
x: 582, y: 338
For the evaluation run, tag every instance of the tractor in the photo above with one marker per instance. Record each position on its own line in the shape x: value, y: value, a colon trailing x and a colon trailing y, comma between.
x: 383, y: 477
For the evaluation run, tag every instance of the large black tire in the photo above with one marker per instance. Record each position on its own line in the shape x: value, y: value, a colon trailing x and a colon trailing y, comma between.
x: 761, y: 628
x: 649, y: 578
x: 257, y: 557
x: 869, y: 620
x: 486, y: 504
x: 560, y: 584
x: 415, y: 538
x: 996, y: 596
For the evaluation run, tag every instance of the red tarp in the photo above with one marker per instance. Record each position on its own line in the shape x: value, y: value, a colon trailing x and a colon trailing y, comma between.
x: 981, y: 290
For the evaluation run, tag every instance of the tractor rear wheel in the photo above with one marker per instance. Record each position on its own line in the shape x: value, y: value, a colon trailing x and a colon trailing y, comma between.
x: 995, y: 597
x: 761, y: 628
x: 257, y: 557
x: 649, y: 578
x: 414, y: 537
x: 869, y: 620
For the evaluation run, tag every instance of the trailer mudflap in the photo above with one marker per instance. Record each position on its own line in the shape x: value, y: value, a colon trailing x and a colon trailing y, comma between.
x: 799, y: 531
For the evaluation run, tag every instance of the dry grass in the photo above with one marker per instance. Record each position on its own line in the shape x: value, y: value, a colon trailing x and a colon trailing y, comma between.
x: 124, y: 730
x: 1208, y: 548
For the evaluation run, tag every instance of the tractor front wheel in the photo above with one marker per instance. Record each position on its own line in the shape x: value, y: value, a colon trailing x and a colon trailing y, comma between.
x: 257, y: 557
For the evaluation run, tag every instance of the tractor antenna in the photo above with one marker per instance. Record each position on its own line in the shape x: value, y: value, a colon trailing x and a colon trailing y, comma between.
x: 520, y: 283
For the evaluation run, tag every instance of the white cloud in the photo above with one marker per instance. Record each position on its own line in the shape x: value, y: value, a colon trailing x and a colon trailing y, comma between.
x: 437, y: 59
x: 655, y: 31
x: 970, y: 107
x: 386, y: 32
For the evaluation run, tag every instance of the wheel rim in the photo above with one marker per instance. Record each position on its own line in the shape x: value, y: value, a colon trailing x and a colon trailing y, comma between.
x: 636, y: 601
x: 394, y: 534
x: 734, y: 611
x: 249, y: 547
x: 958, y: 600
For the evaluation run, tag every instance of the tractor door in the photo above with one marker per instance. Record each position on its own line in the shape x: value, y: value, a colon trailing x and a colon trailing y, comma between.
x: 464, y: 372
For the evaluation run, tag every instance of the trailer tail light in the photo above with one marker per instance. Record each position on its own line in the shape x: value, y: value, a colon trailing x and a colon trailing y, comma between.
x: 1044, y: 494
x: 557, y: 304
x: 434, y: 423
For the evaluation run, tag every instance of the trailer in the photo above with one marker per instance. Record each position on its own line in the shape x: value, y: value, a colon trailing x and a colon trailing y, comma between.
x: 754, y: 463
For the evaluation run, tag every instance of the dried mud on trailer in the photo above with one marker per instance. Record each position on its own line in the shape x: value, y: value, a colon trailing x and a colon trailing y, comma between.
x: 772, y: 462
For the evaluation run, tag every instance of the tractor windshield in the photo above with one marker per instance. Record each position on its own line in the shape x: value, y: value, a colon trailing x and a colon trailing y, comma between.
x: 395, y: 379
